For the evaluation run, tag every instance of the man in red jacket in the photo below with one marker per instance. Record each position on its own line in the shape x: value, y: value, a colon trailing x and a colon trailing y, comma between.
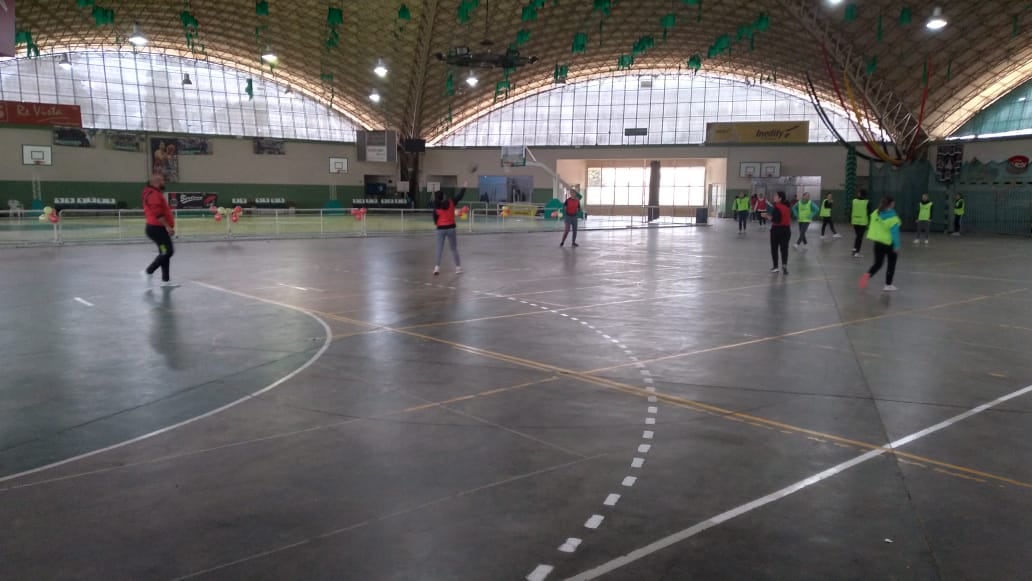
x: 161, y: 226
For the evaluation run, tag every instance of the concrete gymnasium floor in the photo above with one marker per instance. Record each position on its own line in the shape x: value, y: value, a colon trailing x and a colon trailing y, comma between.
x: 345, y: 415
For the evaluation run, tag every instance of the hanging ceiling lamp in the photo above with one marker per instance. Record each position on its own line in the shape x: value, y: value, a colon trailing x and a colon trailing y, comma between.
x: 268, y: 56
x: 937, y: 21
x: 380, y: 69
x: 374, y: 97
x: 136, y: 38
x: 472, y: 79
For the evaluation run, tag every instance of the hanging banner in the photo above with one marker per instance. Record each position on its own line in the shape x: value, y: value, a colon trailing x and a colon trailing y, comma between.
x: 16, y: 113
x: 268, y: 146
x: 74, y: 136
x: 7, y: 29
x: 123, y: 141
x: 949, y: 159
x: 765, y: 132
x: 192, y: 200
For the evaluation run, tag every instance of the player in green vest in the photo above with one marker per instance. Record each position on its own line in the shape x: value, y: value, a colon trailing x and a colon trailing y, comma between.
x: 860, y: 218
x: 924, y: 219
x: 959, y: 208
x: 804, y: 211
x: 741, y: 211
x: 826, y: 219
x: 884, y: 233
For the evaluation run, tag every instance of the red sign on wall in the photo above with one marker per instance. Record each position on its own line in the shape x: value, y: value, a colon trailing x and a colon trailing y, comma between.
x: 16, y: 113
x: 6, y: 27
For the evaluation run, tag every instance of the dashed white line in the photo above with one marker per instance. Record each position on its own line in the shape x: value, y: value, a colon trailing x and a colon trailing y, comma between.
x: 594, y: 521
x: 629, y: 481
x: 652, y: 409
x: 648, y: 380
x: 611, y: 500
x: 570, y: 545
x: 648, y: 434
x: 540, y: 573
x: 83, y: 301
x: 644, y: 448
x: 650, y: 421
x: 653, y: 399
x: 637, y: 462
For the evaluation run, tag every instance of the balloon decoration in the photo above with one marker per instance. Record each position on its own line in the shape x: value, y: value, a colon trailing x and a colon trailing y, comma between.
x: 359, y: 213
x: 462, y: 213
x: 213, y: 209
x: 48, y: 210
x: 218, y: 217
x: 506, y: 211
x: 42, y: 217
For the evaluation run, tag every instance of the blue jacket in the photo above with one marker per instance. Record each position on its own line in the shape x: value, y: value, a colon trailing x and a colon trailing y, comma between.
x: 885, y: 215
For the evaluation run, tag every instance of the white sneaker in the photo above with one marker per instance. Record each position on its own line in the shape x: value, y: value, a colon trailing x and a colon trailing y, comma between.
x: 774, y: 270
x: 169, y: 284
x: 926, y: 241
x: 148, y: 278
x: 458, y: 270
x: 437, y: 270
x: 857, y: 255
x: 796, y: 246
x: 917, y: 240
x: 889, y: 288
x: 837, y: 236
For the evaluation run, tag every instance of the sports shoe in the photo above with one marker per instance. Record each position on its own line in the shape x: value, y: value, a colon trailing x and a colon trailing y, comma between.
x: 866, y: 278
x: 169, y: 284
x: 889, y: 288
x: 784, y: 270
x: 437, y: 270
x: 774, y: 270
x: 926, y: 241
x: 148, y: 277
x: 575, y: 245
x: 458, y: 270
x: 857, y: 255
x: 822, y: 236
x: 796, y: 246
x: 917, y: 240
x: 836, y: 236
x: 955, y: 234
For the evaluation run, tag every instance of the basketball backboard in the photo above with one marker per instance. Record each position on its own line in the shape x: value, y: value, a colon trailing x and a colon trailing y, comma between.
x: 514, y: 156
x: 338, y: 165
x: 37, y: 155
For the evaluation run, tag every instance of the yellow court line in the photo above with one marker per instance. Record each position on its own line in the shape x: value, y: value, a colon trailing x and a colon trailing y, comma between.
x: 704, y: 407
x: 800, y: 332
x: 597, y: 305
x: 477, y: 395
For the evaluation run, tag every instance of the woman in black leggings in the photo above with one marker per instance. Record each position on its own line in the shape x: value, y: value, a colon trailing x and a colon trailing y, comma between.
x: 780, y: 231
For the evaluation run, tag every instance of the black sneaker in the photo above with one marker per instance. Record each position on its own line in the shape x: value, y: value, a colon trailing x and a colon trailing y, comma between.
x: 784, y: 270
x: 575, y: 245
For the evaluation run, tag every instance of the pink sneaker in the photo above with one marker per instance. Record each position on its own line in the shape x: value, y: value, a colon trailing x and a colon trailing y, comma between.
x: 866, y: 278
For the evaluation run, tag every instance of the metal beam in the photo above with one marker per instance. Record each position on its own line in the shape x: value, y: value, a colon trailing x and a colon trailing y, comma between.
x: 417, y: 89
x: 895, y: 117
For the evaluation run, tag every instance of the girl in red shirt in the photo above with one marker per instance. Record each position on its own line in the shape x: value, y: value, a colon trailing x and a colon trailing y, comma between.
x: 444, y: 219
x: 780, y: 231
x: 161, y: 226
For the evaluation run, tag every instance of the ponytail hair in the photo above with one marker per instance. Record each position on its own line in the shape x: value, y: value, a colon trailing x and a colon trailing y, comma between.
x: 780, y: 196
x: 885, y: 202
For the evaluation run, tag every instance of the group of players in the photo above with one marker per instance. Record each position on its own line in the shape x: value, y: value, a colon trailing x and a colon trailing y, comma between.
x: 881, y: 226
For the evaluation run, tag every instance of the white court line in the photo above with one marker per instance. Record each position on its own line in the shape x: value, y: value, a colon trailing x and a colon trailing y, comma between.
x: 594, y: 521
x: 540, y: 573
x: 570, y: 545
x: 234, y: 403
x: 83, y: 301
x: 300, y: 288
x: 629, y: 481
x: 611, y: 500
x: 725, y: 516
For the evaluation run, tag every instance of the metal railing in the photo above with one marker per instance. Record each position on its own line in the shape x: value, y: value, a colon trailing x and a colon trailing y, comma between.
x: 113, y: 226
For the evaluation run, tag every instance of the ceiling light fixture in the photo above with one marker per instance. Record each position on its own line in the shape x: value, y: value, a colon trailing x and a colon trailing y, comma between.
x: 834, y: 2
x: 936, y: 22
x: 374, y: 97
x: 380, y: 69
x: 136, y: 38
x: 64, y: 63
x: 472, y: 79
x: 268, y: 56
x: 186, y: 79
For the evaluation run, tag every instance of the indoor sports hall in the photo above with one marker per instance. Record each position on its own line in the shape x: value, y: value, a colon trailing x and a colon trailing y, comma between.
x: 604, y: 377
